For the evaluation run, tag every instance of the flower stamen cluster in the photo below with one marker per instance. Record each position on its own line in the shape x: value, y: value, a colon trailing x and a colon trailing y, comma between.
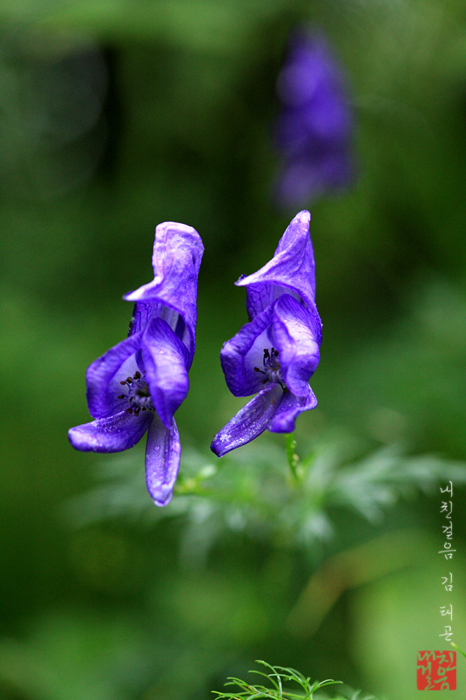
x: 272, y: 370
x: 138, y: 395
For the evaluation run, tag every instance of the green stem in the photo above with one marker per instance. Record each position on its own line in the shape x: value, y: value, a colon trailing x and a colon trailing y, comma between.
x: 293, y: 458
x: 457, y: 647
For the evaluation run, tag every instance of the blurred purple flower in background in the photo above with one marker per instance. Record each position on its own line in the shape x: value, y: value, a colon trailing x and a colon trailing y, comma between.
x: 314, y: 129
x: 137, y: 386
x: 279, y: 350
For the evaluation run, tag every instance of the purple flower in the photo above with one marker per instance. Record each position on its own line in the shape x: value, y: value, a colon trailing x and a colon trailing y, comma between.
x: 314, y: 129
x: 278, y: 351
x: 137, y: 386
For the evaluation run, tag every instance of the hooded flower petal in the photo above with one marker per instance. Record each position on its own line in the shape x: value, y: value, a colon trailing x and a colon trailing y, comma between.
x: 297, y: 337
x: 291, y: 270
x: 283, y: 420
x: 114, y: 434
x: 277, y: 352
x: 105, y: 373
x: 162, y: 461
x: 249, y: 422
x: 245, y: 351
x: 165, y: 359
x: 139, y: 383
x: 172, y: 295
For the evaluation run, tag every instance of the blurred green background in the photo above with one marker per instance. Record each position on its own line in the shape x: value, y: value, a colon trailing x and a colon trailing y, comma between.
x: 115, y: 116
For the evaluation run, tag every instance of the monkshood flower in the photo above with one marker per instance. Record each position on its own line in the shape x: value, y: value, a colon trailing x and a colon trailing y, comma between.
x: 278, y: 351
x: 315, y: 126
x: 137, y: 386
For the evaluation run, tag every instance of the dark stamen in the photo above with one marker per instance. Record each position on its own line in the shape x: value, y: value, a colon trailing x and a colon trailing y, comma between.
x: 272, y: 370
x: 138, y: 397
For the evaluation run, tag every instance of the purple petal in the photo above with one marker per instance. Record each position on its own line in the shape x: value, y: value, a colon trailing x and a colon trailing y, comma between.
x: 329, y: 119
x: 113, y: 434
x: 163, y: 452
x: 249, y: 422
x: 315, y: 126
x: 105, y: 373
x: 309, y: 66
x: 165, y: 359
x: 289, y: 409
x: 176, y: 260
x: 298, y: 338
x: 245, y: 351
x: 291, y: 270
x: 143, y: 314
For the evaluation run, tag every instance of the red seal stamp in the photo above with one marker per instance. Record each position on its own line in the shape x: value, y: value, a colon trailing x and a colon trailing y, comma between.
x: 436, y: 670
